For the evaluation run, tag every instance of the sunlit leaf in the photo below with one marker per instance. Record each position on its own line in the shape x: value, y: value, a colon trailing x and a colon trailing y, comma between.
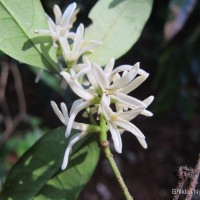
x: 118, y: 24
x: 18, y: 20
x: 37, y: 174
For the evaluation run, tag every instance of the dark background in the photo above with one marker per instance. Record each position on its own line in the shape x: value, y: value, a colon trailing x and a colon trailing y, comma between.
x: 172, y: 134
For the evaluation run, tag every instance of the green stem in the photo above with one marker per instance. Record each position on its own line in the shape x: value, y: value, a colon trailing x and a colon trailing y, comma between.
x: 105, y: 144
x: 91, y: 117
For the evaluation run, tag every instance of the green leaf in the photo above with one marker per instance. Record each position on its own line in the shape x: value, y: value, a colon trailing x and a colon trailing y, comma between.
x: 18, y: 20
x: 118, y: 24
x: 37, y: 174
x: 1, y: 53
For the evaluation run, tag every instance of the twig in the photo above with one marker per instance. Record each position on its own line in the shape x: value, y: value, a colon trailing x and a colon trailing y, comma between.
x: 105, y: 144
x: 19, y: 89
x: 11, y: 124
x: 193, y: 181
x: 184, y: 173
x: 3, y: 103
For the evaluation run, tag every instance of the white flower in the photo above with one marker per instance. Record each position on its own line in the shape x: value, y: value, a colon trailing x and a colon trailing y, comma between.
x: 121, y: 119
x: 86, y: 94
x: 64, y: 118
x: 78, y: 47
x: 116, y: 87
x: 84, y: 68
x: 39, y: 76
x: 72, y: 141
x: 77, y: 106
x: 63, y: 23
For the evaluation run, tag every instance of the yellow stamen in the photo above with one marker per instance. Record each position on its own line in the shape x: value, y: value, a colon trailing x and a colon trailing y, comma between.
x: 108, y: 92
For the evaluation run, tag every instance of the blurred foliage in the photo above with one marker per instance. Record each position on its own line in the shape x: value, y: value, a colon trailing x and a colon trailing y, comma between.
x: 178, y: 72
x: 18, y: 144
x: 179, y: 11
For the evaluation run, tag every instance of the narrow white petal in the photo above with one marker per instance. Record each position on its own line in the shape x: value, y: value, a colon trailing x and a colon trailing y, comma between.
x: 39, y: 76
x: 75, y: 86
x: 51, y: 24
x: 116, y: 78
x: 92, y: 91
x: 65, y: 45
x: 65, y: 112
x: 109, y: 66
x: 142, y: 142
x: 76, y: 110
x: 58, y: 14
x: 82, y: 72
x: 129, y: 115
x: 148, y: 100
x: 75, y: 105
x: 122, y: 68
x: 142, y: 72
x: 123, y: 81
x: 106, y: 99
x: 133, y: 85
x: 75, y: 139
x: 100, y: 76
x: 90, y: 42
x: 76, y: 125
x: 129, y: 127
x: 89, y: 47
x: 137, y: 66
x: 71, y: 35
x: 67, y: 15
x: 86, y: 60
x: 92, y: 79
x: 129, y: 101
x: 147, y: 113
x: 119, y: 107
x: 58, y: 112
x: 80, y: 126
x: 78, y: 38
x: 105, y: 109
x: 79, y: 67
x: 87, y: 64
x: 73, y: 18
x: 116, y: 136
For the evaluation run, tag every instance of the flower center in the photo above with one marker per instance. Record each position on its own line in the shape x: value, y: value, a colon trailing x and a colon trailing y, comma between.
x: 108, y: 92
x: 113, y: 118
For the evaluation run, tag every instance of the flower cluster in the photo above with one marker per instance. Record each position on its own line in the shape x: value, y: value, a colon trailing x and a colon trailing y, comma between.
x: 101, y: 90
x: 61, y: 33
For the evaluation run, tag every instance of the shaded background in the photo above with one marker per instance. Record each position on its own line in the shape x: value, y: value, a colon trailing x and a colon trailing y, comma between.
x: 169, y: 49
